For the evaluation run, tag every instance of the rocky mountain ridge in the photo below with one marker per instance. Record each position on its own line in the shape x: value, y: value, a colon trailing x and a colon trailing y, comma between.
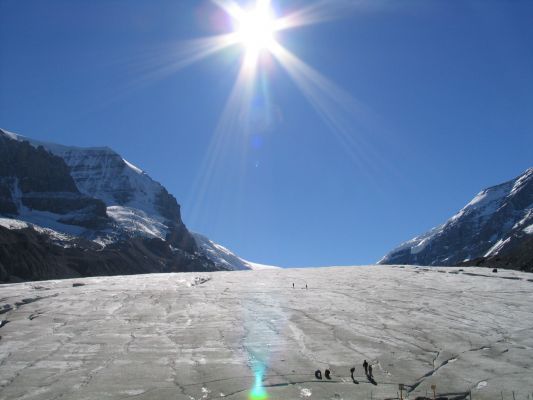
x: 494, y: 229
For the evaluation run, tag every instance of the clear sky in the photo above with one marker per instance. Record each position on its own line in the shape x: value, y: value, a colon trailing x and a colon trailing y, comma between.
x: 425, y: 103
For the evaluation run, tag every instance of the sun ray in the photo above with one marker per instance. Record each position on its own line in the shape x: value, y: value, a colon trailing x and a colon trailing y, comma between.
x: 340, y: 111
x: 160, y: 62
x: 163, y: 61
x: 228, y: 135
x: 230, y: 7
x: 315, y: 13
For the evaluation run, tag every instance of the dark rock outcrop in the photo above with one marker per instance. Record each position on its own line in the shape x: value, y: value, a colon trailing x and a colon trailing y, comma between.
x: 517, y: 254
x: 29, y: 255
x: 36, y: 169
x: 178, y: 234
x: 36, y: 179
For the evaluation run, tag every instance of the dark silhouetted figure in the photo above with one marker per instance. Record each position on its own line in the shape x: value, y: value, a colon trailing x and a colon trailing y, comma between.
x: 369, y: 375
x: 365, y: 366
x: 495, y: 270
x: 352, y: 370
x: 318, y: 374
x: 327, y: 374
x: 293, y: 285
x: 306, y: 286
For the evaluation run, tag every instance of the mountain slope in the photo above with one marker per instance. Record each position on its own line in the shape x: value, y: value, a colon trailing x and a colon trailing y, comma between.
x: 94, y: 200
x: 219, y: 255
x: 497, y: 223
x: 138, y: 205
x: 223, y: 257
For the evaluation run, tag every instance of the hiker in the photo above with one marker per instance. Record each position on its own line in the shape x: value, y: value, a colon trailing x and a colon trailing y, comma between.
x: 318, y: 374
x: 293, y: 285
x: 306, y: 286
x: 327, y: 374
x: 365, y: 366
x: 352, y: 370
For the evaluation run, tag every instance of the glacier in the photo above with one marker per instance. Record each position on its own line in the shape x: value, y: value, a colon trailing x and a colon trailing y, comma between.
x: 220, y: 335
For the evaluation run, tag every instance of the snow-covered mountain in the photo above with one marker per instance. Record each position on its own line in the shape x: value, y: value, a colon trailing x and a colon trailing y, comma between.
x: 495, y: 228
x: 218, y: 254
x: 73, y: 194
x: 223, y: 257
x: 136, y: 204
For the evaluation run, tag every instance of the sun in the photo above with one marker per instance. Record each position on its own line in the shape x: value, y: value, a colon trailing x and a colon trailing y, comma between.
x: 255, y: 28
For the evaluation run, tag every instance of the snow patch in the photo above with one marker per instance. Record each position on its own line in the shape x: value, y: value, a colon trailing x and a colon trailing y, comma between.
x: 136, y: 221
x: 259, y: 267
x: 205, y: 392
x: 494, y: 250
x: 10, y: 135
x: 420, y: 246
x: 133, y: 392
x: 10, y: 223
x: 59, y: 238
x: 133, y: 167
x: 486, y: 202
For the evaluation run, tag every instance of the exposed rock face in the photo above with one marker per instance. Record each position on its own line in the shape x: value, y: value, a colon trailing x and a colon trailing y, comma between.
x: 169, y: 208
x: 7, y: 205
x: 72, y: 211
x: 496, y: 225
x: 516, y: 253
x: 27, y: 254
x: 36, y: 169
x: 32, y: 178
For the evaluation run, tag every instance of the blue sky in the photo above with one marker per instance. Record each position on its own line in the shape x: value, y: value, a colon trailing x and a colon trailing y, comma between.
x: 444, y: 95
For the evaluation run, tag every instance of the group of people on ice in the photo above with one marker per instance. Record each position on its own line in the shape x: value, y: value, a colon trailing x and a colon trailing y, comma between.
x: 293, y: 285
x: 368, y: 372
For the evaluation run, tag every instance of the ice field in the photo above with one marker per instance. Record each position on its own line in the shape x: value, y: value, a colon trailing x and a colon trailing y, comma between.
x: 251, y: 335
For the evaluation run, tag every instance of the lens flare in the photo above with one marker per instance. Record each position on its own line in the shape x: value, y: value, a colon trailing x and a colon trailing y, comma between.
x: 258, y: 392
x: 258, y: 358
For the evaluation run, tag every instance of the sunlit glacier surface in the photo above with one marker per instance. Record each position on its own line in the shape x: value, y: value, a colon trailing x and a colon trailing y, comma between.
x: 251, y: 335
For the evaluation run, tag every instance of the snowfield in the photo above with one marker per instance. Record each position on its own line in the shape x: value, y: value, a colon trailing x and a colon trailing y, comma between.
x: 249, y: 334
